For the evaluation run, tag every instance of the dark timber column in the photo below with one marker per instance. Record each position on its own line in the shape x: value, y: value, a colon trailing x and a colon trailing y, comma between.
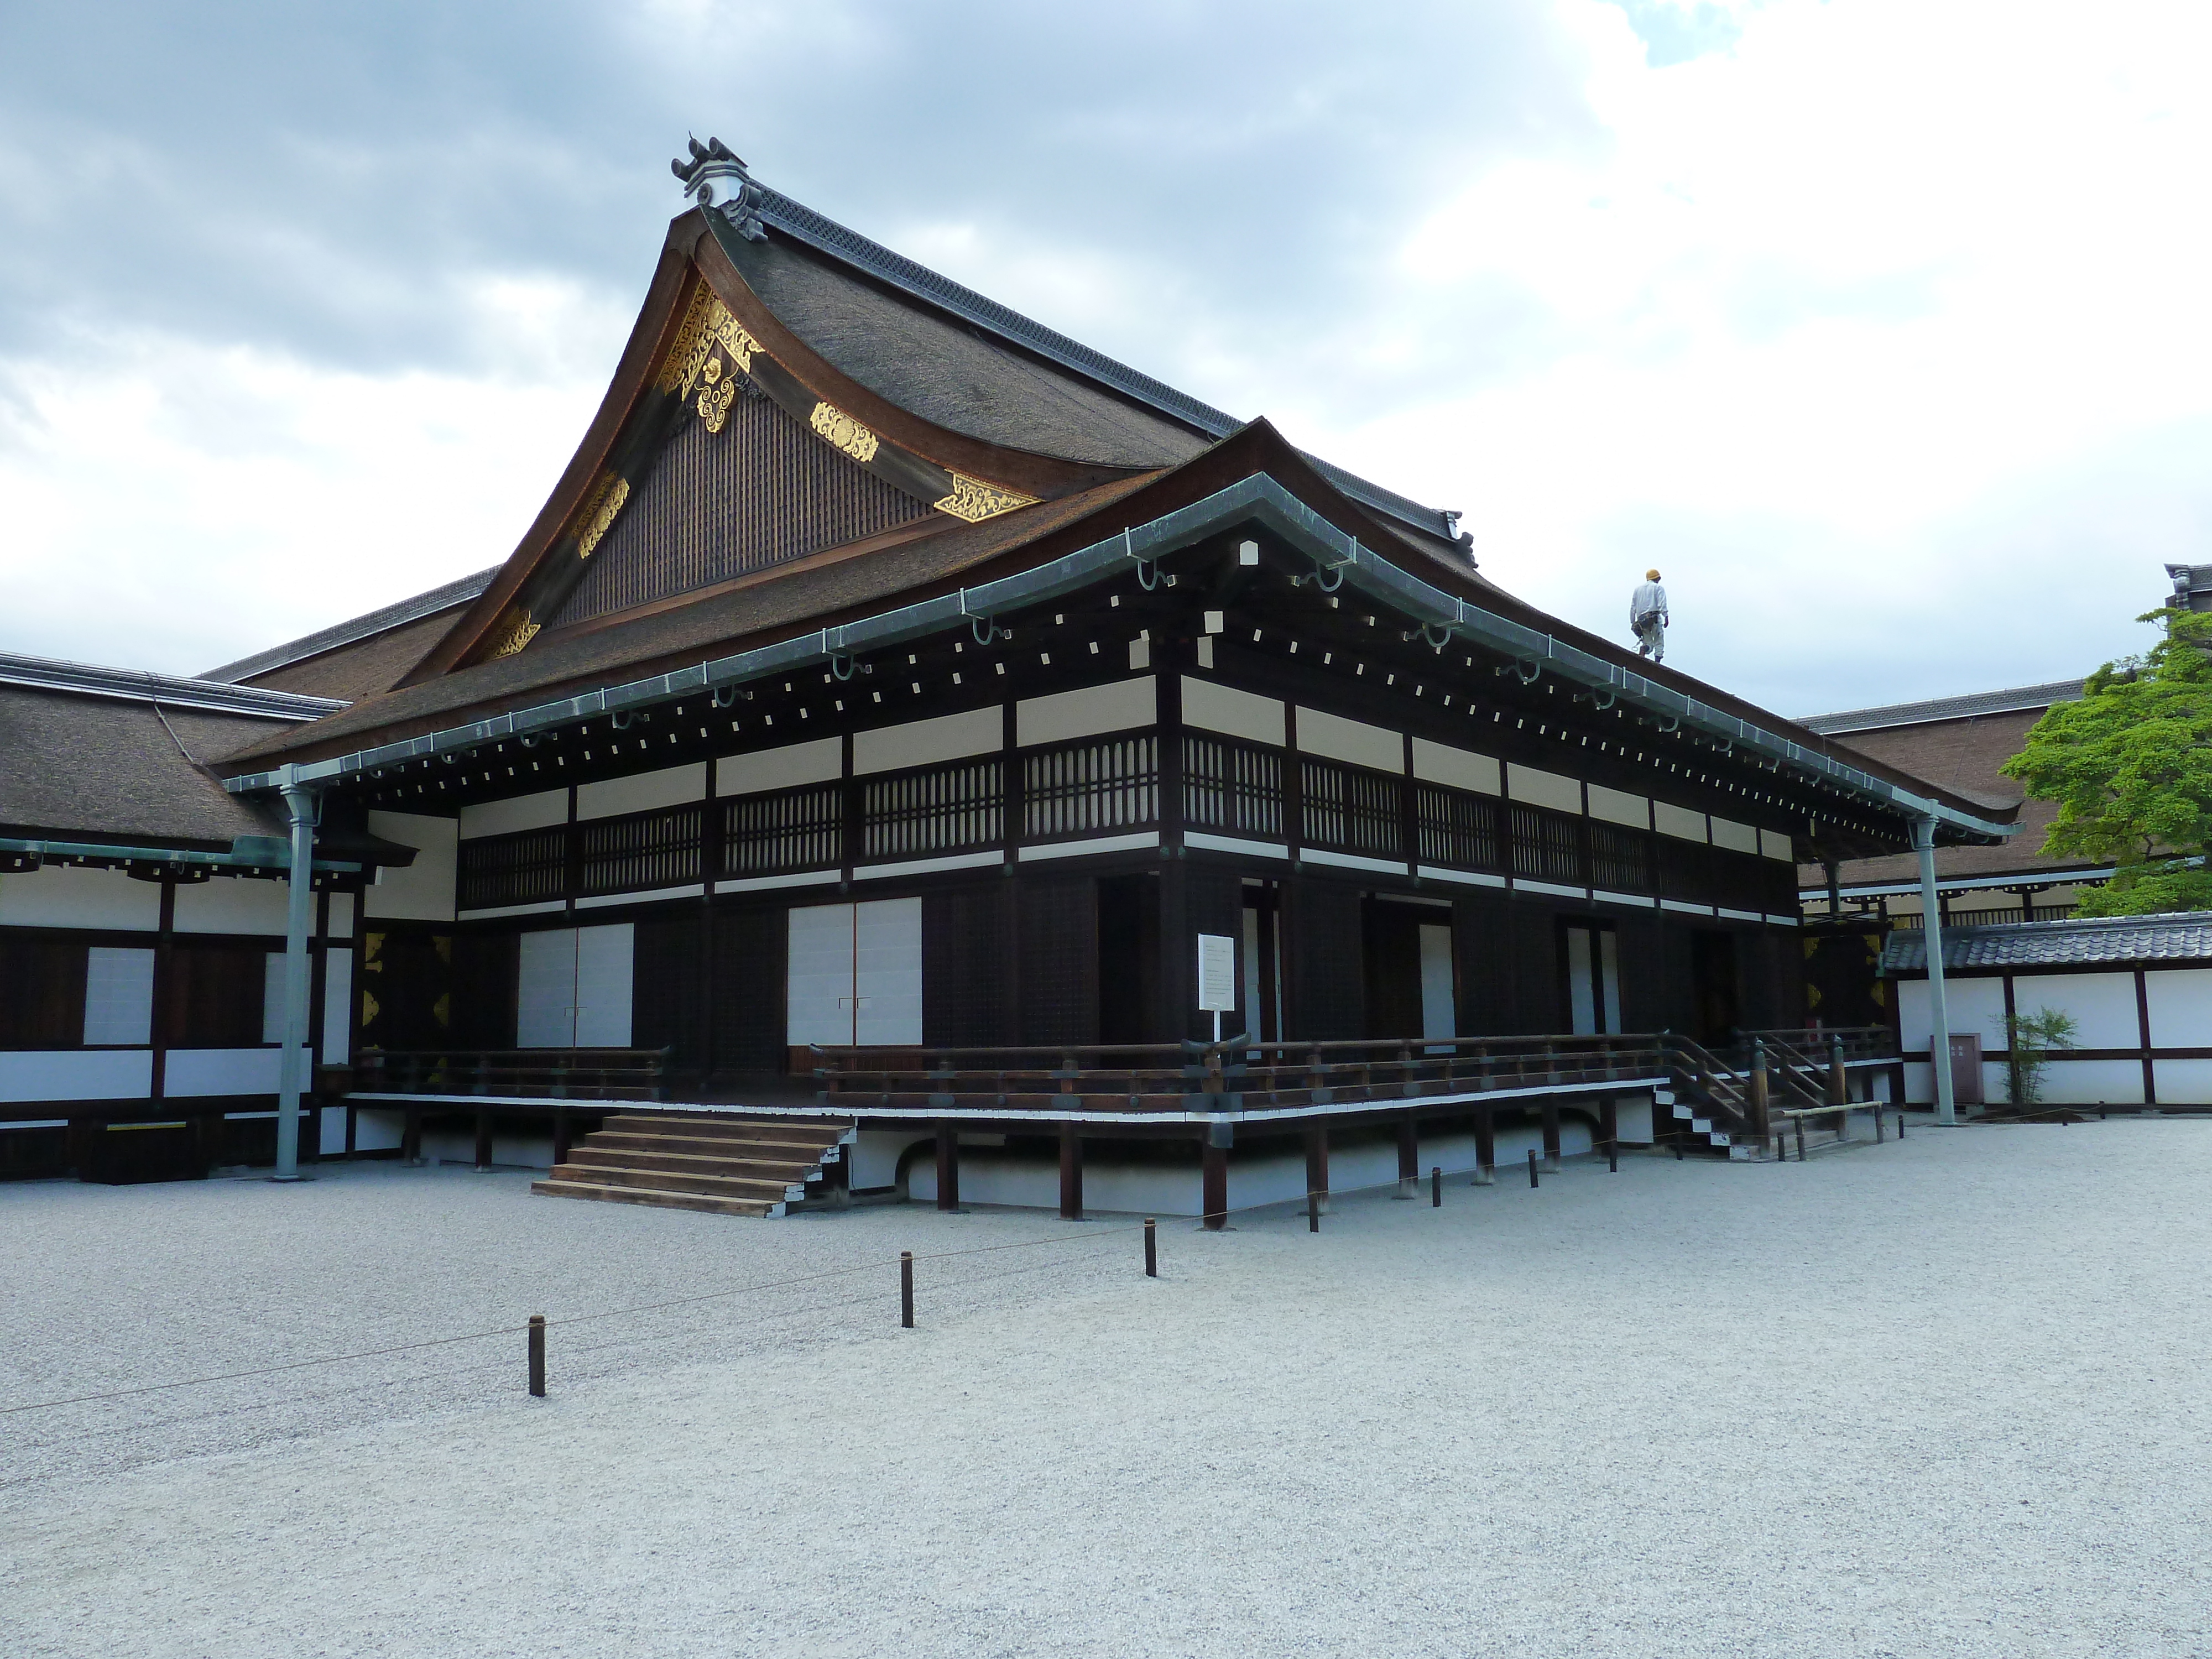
x: 948, y: 1168
x: 1070, y: 1173
x: 206, y: 1129
x: 1409, y: 1156
x: 1173, y: 1017
x: 318, y: 969
x: 1551, y: 1136
x: 1485, y: 1147
x: 1317, y: 1166
x: 1214, y: 1184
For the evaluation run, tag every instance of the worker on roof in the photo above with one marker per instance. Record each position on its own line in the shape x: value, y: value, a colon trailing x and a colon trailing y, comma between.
x: 1647, y: 616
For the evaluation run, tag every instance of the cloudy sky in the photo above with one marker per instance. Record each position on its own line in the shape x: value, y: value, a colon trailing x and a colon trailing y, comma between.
x: 1883, y: 326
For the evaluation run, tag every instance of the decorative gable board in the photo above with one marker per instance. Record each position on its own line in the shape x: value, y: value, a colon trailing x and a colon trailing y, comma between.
x: 761, y: 491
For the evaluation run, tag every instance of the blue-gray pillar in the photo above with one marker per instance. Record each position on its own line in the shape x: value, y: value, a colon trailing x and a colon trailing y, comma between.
x: 292, y: 1077
x: 1939, y: 1014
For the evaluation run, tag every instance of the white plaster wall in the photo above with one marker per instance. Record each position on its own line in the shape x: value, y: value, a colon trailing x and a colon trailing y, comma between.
x: 119, y: 995
x: 606, y: 959
x: 818, y: 975
x: 2181, y: 1001
x: 79, y: 898
x: 1678, y: 821
x: 924, y: 743
x: 2184, y: 1082
x: 505, y: 817
x: 76, y: 1074
x: 1439, y: 1015
x: 2103, y: 1004
x: 1631, y: 1120
x: 1919, y: 1083
x: 1974, y: 1005
x: 1538, y: 788
x: 1776, y: 847
x: 424, y: 891
x: 674, y: 786
x: 1459, y: 768
x: 1084, y: 713
x: 2085, y: 1082
x: 338, y: 1007
x: 342, y: 908
x: 332, y: 1141
x: 1736, y: 837
x: 235, y: 905
x: 818, y: 762
x: 1354, y: 742
x: 1232, y: 712
x: 1618, y: 806
x: 198, y: 1072
x: 272, y: 997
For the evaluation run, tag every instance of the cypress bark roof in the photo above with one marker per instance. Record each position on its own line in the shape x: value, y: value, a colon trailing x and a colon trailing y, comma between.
x: 2093, y: 941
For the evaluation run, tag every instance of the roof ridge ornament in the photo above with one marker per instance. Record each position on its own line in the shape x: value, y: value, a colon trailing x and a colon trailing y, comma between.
x: 715, y: 178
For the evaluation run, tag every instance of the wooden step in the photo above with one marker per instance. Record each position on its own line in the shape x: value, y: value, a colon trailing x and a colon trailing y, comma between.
x: 665, y: 1200
x: 707, y: 1147
x: 773, y: 1190
x: 783, y: 1132
x: 628, y: 1158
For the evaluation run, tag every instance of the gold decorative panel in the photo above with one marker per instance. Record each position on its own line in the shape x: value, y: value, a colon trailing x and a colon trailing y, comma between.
x: 715, y: 401
x: 972, y: 499
x: 599, y: 516
x: 516, y: 637
x: 707, y: 327
x: 842, y: 431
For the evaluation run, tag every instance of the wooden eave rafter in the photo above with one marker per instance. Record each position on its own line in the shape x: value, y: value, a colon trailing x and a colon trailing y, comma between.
x: 914, y: 454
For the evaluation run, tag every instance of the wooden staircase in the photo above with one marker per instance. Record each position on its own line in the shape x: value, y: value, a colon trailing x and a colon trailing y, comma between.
x: 687, y: 1161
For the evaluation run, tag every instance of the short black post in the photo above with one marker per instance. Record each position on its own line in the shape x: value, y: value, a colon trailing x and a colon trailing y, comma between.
x: 906, y: 1289
x: 1532, y: 1166
x: 1313, y: 1211
x: 1678, y: 1147
x: 1900, y: 1123
x: 1436, y: 1186
x: 1151, y: 1249
x: 1612, y: 1158
x: 1781, y: 1148
x: 538, y: 1355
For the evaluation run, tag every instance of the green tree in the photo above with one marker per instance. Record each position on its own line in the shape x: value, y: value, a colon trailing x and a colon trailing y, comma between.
x: 2130, y: 767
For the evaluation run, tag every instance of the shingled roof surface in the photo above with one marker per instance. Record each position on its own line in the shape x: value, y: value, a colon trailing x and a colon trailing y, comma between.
x: 2096, y: 941
x: 124, y: 772
x: 375, y: 627
x: 947, y: 371
x: 2035, y: 697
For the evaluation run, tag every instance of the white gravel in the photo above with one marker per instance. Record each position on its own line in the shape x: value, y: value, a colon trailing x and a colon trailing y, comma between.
x: 1943, y: 1398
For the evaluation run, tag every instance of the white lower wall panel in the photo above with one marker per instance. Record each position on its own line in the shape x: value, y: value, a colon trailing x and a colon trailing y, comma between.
x: 233, y: 904
x: 332, y: 1143
x: 1975, y: 1006
x: 76, y: 1074
x: 194, y: 1072
x: 2103, y: 1005
x: 853, y: 973
x: 377, y: 1130
x: 887, y: 971
x: 2184, y: 1082
x: 991, y: 1176
x: 818, y: 975
x: 1631, y: 1121
x: 1439, y: 1013
x: 545, y: 989
x: 2086, y: 1082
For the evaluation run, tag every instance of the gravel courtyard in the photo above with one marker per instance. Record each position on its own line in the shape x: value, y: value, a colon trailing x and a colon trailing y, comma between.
x: 1945, y: 1397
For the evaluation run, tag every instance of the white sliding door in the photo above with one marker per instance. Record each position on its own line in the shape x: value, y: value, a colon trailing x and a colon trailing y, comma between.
x: 572, y: 988
x: 854, y: 974
x: 1439, y: 1015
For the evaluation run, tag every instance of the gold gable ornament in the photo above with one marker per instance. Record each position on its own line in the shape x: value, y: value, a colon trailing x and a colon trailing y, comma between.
x: 840, y: 431
x: 707, y: 326
x: 600, y: 514
x: 516, y: 637
x: 973, y: 500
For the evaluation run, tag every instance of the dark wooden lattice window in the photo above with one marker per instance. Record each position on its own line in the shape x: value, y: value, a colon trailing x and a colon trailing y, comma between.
x: 1547, y: 846
x: 644, y: 851
x: 1456, y: 828
x: 1620, y: 859
x: 1090, y: 787
x: 955, y: 808
x: 963, y: 966
x: 212, y: 996
x: 1060, y: 962
x: 1231, y: 787
x: 525, y: 868
x: 1350, y: 809
x: 783, y: 830
x: 1685, y: 870
x: 748, y: 1021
